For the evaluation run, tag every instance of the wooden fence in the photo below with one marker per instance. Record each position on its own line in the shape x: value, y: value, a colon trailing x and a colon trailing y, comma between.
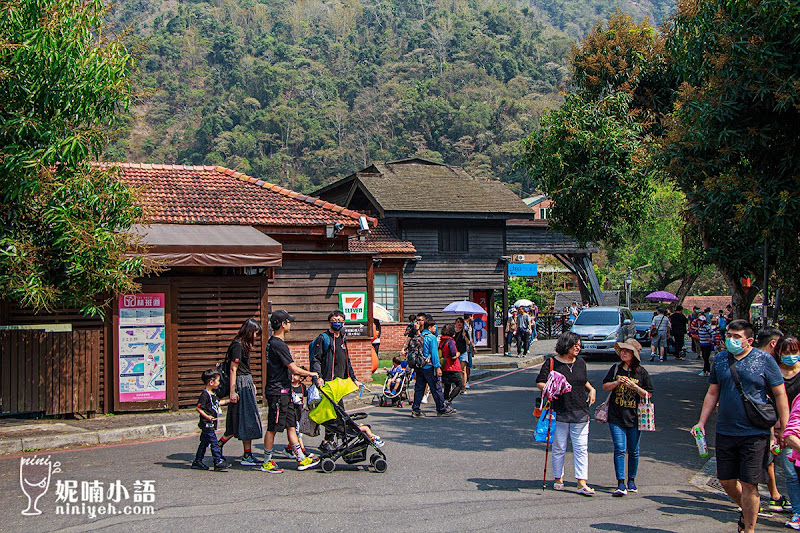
x: 50, y: 372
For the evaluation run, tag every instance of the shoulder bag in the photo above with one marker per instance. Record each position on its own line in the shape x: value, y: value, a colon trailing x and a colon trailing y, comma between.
x: 761, y: 416
x: 601, y: 413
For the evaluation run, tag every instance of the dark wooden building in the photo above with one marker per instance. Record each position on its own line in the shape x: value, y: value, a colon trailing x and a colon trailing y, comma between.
x: 456, y: 223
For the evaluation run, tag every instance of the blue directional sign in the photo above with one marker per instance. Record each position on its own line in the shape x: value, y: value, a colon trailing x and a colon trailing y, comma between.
x: 523, y: 270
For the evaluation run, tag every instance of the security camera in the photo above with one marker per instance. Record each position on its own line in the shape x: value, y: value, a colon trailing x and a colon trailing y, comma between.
x: 338, y: 227
x: 363, y: 224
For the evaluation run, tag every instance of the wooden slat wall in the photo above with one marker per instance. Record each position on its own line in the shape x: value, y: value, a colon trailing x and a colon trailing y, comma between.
x: 50, y: 372
x: 541, y: 240
x: 310, y: 290
x: 16, y: 316
x: 209, y: 314
x: 439, y: 279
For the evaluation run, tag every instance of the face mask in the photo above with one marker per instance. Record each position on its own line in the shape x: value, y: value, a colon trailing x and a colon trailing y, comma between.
x: 734, y: 346
x: 336, y: 326
x: 791, y: 359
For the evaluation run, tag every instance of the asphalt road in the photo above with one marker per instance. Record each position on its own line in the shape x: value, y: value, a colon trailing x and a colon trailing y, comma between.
x: 477, y: 471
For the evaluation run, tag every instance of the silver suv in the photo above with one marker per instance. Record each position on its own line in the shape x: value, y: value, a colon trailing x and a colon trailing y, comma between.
x: 600, y: 327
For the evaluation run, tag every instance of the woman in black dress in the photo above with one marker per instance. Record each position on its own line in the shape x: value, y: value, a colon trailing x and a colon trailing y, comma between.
x: 243, y: 420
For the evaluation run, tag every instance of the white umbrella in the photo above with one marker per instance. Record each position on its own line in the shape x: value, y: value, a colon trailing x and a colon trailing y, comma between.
x: 463, y: 307
x: 380, y: 313
x: 523, y: 303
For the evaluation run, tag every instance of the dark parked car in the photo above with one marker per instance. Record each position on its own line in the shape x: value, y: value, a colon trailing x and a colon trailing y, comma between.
x: 643, y: 320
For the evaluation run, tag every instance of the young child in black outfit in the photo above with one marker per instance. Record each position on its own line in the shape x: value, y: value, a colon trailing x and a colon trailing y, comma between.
x: 208, y: 405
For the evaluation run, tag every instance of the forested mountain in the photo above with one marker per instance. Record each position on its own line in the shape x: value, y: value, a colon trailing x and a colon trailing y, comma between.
x: 301, y: 92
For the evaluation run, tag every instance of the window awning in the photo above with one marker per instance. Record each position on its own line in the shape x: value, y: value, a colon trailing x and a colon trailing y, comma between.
x: 205, y: 245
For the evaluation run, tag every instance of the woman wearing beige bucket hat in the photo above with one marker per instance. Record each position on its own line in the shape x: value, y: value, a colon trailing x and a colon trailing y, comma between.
x: 627, y: 382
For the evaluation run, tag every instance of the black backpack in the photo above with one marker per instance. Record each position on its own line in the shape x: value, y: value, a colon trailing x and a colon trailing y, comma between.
x: 224, y: 369
x: 414, y: 355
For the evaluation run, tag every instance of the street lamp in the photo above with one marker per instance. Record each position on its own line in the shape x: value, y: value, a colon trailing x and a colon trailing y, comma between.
x: 628, y: 282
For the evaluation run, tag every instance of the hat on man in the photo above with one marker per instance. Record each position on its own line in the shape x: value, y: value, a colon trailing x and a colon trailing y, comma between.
x: 279, y: 317
x: 630, y: 344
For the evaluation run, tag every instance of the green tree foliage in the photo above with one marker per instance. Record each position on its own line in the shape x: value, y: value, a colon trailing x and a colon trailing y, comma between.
x: 303, y: 92
x: 64, y: 80
x: 735, y: 132
x: 665, y: 243
x: 589, y: 158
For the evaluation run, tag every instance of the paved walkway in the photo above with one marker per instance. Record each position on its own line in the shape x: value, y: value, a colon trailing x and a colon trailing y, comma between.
x: 19, y: 435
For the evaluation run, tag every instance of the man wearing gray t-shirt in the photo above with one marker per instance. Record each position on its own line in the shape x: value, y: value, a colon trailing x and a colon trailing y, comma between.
x: 659, y: 331
x: 523, y: 331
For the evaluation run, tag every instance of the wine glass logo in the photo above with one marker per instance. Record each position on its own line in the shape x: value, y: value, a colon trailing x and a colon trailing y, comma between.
x: 34, y: 479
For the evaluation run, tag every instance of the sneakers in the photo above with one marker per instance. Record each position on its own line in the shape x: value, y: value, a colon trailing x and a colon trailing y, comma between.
x: 794, y: 523
x: 417, y: 414
x: 424, y: 398
x: 271, y: 468
x: 620, y: 491
x: 307, y: 463
x: 377, y: 441
x: 197, y: 465
x: 467, y: 385
x: 447, y: 412
x: 288, y: 452
x: 632, y: 486
x: 248, y: 460
x: 652, y: 357
x: 326, y: 447
x: 780, y: 505
x: 221, y: 466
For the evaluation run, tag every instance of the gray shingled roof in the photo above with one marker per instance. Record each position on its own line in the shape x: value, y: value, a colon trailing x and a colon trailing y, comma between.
x: 417, y: 185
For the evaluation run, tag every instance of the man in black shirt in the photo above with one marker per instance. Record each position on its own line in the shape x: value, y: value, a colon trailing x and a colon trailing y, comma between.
x: 278, y: 394
x: 331, y: 360
x: 678, y: 324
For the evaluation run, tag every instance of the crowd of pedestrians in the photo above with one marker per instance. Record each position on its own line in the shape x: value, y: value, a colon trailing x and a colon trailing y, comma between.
x: 753, y: 382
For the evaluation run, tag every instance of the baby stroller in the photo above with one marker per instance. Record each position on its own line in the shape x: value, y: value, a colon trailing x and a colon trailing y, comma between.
x: 397, y: 398
x: 351, y: 443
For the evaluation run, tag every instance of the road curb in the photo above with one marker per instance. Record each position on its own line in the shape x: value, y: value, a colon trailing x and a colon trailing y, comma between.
x: 141, y: 433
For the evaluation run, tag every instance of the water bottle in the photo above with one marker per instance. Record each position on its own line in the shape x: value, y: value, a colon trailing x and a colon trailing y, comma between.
x: 700, y: 440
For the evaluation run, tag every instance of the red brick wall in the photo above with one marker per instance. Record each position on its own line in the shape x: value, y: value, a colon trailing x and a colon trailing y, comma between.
x: 360, y: 356
x: 392, y: 337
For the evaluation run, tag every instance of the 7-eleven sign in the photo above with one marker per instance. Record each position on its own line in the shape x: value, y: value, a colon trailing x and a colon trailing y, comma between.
x: 354, y: 305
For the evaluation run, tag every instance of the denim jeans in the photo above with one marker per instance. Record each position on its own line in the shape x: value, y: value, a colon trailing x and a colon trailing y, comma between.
x: 428, y: 376
x: 625, y: 440
x: 208, y: 438
x: 792, y: 484
x: 579, y: 435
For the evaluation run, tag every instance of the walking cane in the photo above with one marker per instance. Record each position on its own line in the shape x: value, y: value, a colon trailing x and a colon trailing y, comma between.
x: 547, y: 444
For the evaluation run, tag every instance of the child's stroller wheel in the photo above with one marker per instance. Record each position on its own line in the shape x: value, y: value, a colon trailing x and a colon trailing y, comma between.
x: 400, y: 404
x: 374, y: 457
x: 328, y: 465
x: 381, y: 403
x: 380, y: 465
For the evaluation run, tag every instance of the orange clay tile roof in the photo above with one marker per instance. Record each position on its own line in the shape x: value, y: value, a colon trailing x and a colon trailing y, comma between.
x: 179, y: 194
x: 381, y: 240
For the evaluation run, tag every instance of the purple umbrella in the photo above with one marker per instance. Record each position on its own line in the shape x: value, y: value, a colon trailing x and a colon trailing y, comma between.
x: 661, y: 296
